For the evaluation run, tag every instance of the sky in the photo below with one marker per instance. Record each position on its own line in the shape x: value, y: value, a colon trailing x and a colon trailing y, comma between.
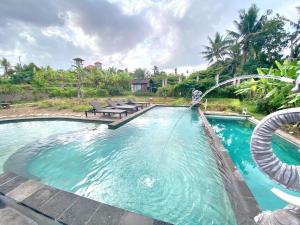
x: 120, y: 33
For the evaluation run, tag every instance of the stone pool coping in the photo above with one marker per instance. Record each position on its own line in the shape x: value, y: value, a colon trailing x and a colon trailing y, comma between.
x: 243, y: 203
x: 65, y: 207
x: 53, y: 118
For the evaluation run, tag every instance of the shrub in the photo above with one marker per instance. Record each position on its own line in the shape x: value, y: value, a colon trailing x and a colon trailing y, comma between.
x: 61, y: 92
x: 144, y: 93
x: 167, y: 91
x: 115, y: 90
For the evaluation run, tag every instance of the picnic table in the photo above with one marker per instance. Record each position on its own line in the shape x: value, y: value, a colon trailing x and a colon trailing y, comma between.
x: 4, y: 105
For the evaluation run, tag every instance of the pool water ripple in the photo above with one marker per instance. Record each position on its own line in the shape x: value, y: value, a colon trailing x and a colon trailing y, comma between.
x: 139, y: 166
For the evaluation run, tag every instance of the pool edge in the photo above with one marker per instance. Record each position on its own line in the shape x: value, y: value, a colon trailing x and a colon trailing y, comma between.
x: 62, y: 206
x: 247, y: 208
x: 53, y: 118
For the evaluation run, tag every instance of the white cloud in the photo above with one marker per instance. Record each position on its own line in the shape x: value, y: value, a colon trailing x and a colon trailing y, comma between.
x: 120, y: 33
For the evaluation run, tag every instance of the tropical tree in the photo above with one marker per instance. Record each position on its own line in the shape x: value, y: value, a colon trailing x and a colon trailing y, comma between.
x: 216, y: 50
x: 233, y: 58
x: 249, y: 28
x: 294, y: 38
x: 139, y: 73
x: 6, y: 65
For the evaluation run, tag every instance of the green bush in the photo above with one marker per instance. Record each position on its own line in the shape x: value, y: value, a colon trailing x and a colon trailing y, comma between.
x: 167, y: 91
x: 61, y: 92
x: 93, y: 92
x: 115, y: 91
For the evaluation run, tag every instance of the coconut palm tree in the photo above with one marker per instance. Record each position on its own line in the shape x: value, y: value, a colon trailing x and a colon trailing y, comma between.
x: 216, y: 50
x: 5, y: 64
x: 294, y: 37
x: 249, y: 29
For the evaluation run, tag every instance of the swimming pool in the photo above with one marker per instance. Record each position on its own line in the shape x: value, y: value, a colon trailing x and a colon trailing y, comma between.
x: 160, y: 164
x: 235, y: 136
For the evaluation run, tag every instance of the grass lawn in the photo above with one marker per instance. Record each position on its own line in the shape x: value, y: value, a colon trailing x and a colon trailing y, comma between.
x: 80, y: 105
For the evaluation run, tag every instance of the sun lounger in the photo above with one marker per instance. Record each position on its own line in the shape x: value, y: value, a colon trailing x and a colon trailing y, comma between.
x: 119, y: 102
x: 98, y: 109
x: 114, y: 105
x: 133, y: 102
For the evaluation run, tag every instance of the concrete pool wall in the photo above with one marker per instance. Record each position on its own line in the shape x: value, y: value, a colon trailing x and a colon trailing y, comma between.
x: 242, y: 201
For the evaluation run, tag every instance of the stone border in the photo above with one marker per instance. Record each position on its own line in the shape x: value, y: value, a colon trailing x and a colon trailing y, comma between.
x: 53, y: 118
x: 242, y: 200
x: 230, y: 117
x: 65, y: 207
x: 124, y: 120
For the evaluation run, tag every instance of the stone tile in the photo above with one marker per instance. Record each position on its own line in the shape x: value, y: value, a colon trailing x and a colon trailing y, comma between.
x: 11, y: 184
x: 80, y: 212
x: 6, y: 177
x: 107, y: 215
x: 130, y: 218
x: 9, y: 216
x: 37, y: 199
x: 158, y: 222
x: 24, y: 190
x: 60, y: 202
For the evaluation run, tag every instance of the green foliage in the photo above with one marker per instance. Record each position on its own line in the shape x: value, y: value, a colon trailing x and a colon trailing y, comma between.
x: 61, y: 92
x: 92, y: 92
x: 270, y: 95
x: 167, y: 91
x: 139, y: 73
x: 24, y: 74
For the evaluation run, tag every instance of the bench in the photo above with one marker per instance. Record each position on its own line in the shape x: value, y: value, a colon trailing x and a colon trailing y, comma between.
x: 4, y: 105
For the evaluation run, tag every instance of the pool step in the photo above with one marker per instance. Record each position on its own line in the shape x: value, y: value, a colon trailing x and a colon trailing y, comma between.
x: 60, y: 206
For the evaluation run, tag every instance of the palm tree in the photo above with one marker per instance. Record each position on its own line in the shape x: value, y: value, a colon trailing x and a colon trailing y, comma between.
x: 234, y: 58
x: 216, y: 50
x: 5, y: 64
x: 249, y: 29
x: 294, y: 37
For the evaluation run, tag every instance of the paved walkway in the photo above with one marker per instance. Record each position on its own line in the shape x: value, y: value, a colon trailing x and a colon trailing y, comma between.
x: 30, y: 197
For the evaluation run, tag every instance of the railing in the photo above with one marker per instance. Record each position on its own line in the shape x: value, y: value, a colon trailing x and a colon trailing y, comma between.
x: 245, y: 77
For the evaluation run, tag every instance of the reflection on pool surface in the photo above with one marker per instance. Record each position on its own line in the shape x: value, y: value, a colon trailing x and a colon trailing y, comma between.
x: 159, y: 164
x: 235, y: 136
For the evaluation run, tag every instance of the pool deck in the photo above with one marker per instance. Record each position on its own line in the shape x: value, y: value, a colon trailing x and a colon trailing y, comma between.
x: 28, y: 202
x: 113, y: 122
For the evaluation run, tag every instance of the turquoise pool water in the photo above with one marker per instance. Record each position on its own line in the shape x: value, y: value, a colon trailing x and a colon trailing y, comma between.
x: 235, y: 136
x: 160, y: 164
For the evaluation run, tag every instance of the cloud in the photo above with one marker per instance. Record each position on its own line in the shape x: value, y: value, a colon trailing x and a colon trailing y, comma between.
x: 121, y: 33
x: 41, y: 13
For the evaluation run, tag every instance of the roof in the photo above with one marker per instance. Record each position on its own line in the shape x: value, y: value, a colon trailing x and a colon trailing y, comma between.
x: 90, y: 67
x: 78, y: 59
x: 140, y: 81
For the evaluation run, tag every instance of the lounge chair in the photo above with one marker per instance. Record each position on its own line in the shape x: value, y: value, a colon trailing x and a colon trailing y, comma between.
x: 120, y: 102
x: 114, y: 105
x: 133, y: 102
x: 98, y: 109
